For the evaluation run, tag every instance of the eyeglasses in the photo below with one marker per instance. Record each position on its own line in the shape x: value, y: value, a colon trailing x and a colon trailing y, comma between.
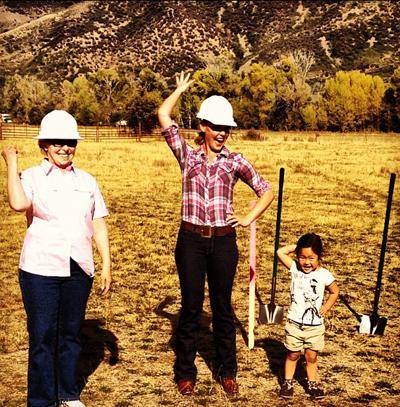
x: 216, y: 128
x: 59, y: 143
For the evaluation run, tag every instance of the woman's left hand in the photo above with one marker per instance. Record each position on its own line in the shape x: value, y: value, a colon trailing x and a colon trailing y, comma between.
x: 105, y: 280
x: 257, y: 209
x: 235, y: 220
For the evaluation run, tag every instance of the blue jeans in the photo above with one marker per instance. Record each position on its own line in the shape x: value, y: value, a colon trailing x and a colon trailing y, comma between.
x: 197, y: 257
x: 55, y: 309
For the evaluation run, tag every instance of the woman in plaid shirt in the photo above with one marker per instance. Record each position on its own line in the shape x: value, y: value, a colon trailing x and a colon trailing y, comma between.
x: 206, y: 244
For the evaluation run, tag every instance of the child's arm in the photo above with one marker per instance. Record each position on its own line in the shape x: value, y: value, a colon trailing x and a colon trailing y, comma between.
x: 283, y: 255
x: 333, y: 295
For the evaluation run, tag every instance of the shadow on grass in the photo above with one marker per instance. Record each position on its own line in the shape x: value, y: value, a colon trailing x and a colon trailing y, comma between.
x: 205, y: 340
x: 275, y: 352
x: 98, y: 344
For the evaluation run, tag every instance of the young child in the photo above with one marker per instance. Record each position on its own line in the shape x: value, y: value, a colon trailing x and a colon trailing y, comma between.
x: 305, y: 325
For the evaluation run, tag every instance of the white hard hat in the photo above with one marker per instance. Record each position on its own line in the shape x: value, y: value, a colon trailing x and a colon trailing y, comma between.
x: 217, y: 110
x: 58, y: 124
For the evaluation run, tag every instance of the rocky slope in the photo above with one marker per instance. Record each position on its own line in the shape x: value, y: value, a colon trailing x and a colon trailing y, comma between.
x: 57, y: 40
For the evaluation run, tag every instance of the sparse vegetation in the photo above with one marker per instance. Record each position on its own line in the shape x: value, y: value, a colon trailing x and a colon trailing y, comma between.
x: 269, y: 30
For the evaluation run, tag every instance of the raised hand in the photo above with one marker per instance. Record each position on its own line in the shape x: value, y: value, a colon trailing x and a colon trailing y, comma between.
x: 183, y: 81
x: 165, y: 110
x: 16, y: 194
x: 9, y: 154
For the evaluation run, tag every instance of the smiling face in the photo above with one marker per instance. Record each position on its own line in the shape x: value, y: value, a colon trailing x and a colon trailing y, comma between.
x: 308, y: 260
x: 59, y: 152
x: 215, y: 136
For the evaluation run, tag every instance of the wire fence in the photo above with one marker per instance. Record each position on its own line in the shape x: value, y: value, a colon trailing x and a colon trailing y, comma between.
x: 89, y: 133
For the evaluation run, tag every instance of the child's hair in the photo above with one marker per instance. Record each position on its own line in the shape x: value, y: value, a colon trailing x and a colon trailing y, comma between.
x: 310, y: 240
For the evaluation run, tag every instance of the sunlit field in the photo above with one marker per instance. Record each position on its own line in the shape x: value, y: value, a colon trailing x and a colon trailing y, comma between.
x: 335, y: 185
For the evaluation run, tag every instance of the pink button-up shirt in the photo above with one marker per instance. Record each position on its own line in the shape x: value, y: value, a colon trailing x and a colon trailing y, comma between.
x: 207, y: 188
x: 60, y: 221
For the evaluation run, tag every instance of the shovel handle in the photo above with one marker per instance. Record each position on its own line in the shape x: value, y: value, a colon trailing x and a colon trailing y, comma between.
x: 252, y: 280
x: 252, y: 245
x: 277, y: 233
x: 345, y: 301
x: 383, y: 247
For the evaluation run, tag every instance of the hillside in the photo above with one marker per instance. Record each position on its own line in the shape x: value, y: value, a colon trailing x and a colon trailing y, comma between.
x: 58, y: 40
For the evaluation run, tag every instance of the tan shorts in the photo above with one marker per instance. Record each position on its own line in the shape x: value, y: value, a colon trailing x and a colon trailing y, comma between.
x: 299, y: 337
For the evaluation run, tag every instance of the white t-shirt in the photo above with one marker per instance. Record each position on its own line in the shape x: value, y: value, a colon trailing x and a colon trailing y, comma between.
x: 307, y: 294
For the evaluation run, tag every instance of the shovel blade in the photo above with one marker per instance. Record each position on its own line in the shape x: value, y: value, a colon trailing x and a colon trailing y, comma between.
x: 271, y: 314
x: 372, y: 325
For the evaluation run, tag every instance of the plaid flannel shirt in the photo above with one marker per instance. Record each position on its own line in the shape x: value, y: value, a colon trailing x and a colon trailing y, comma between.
x: 208, y: 187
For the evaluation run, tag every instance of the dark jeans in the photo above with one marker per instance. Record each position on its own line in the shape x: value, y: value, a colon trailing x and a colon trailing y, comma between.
x: 197, y: 257
x: 55, y: 309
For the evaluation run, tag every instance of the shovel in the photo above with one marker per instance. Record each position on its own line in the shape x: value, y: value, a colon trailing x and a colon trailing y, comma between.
x: 366, y: 327
x: 374, y: 324
x: 252, y: 280
x: 272, y: 313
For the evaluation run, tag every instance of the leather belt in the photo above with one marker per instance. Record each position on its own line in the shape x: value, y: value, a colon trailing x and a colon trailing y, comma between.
x: 301, y: 326
x: 207, y: 230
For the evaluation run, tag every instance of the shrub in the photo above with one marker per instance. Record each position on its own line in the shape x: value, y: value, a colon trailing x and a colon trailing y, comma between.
x: 313, y: 137
x: 253, y: 134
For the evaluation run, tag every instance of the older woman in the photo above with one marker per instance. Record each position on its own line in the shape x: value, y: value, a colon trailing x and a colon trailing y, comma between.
x: 206, y: 244
x: 64, y: 209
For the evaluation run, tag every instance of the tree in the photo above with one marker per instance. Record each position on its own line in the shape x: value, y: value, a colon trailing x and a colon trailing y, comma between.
x: 215, y: 81
x: 294, y: 107
x: 110, y: 88
x: 26, y: 98
x: 392, y: 103
x: 80, y: 100
x: 309, y: 116
x: 303, y: 60
x: 353, y: 100
x: 150, y: 81
x: 257, y: 96
x: 145, y: 96
x: 187, y: 108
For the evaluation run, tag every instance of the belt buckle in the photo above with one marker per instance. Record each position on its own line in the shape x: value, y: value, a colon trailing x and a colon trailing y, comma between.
x: 206, y: 231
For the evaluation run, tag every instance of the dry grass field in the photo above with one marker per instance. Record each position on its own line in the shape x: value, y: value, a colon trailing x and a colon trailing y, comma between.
x: 335, y: 185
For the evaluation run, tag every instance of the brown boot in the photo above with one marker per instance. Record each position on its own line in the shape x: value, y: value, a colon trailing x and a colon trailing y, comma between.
x: 186, y: 387
x: 229, y: 384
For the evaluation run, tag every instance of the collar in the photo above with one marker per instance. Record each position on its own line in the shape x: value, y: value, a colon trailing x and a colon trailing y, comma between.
x: 48, y: 167
x: 223, y: 153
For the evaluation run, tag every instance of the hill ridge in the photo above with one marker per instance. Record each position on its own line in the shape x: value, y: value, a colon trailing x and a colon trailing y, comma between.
x: 66, y: 38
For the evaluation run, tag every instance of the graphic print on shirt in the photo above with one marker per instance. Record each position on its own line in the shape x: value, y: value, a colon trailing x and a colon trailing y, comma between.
x: 307, y: 294
x: 310, y: 300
